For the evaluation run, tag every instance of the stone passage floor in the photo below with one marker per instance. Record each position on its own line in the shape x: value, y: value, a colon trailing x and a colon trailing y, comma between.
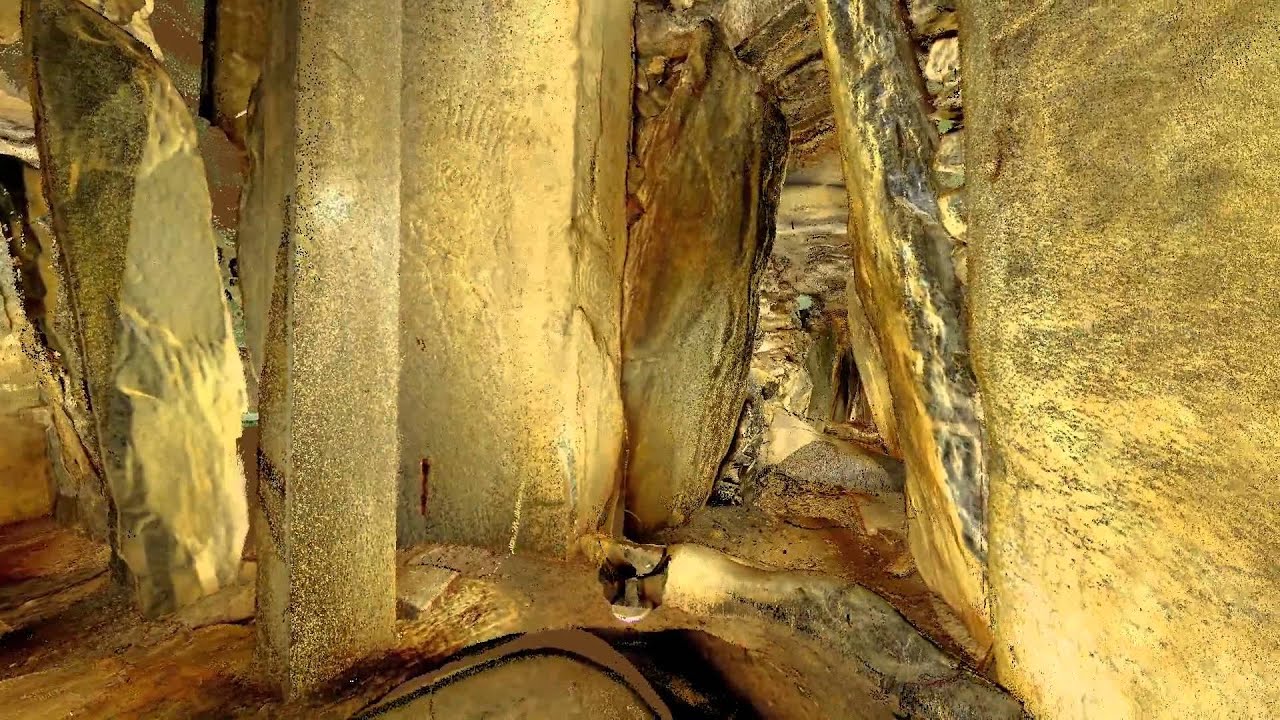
x: 72, y: 644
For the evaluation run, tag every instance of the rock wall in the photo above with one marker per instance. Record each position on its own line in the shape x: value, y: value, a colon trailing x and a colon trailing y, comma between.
x: 906, y: 282
x: 130, y: 210
x: 516, y: 120
x: 27, y: 488
x: 709, y: 151
x: 323, y: 210
x: 1125, y: 286
x: 173, y: 32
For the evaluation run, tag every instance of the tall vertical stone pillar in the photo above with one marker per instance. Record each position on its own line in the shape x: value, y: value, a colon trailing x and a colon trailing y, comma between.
x: 329, y: 193
x: 517, y: 116
x: 906, y: 282
x: 695, y: 255
x: 131, y: 213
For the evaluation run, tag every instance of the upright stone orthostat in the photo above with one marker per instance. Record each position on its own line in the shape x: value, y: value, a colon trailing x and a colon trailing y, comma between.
x: 710, y: 149
x: 131, y: 213
x: 516, y: 120
x: 240, y: 35
x: 907, y: 285
x: 327, y: 196
x: 1125, y: 285
x: 49, y: 339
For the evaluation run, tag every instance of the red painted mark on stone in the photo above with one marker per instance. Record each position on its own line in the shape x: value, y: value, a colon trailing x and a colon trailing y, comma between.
x: 426, y: 470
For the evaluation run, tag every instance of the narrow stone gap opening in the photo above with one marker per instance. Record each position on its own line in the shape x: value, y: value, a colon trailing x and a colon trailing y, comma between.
x: 815, y: 461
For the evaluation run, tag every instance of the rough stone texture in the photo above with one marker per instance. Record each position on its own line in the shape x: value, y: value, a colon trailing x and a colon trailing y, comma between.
x: 262, y: 224
x: 704, y: 182
x: 178, y: 28
x: 99, y: 660
x: 779, y: 41
x: 1125, y: 288
x: 833, y: 464
x: 132, y: 15
x: 815, y: 360
x: 177, y: 25
x: 231, y: 604
x: 329, y: 451
x: 786, y: 52
x: 881, y: 658
x: 45, y: 570
x: 930, y: 18
x: 417, y: 587
x: 739, y: 19
x: 47, y: 331
x: 27, y: 489
x: 934, y: 24
x: 17, y: 126
x: 130, y: 210
x: 239, y: 45
x: 514, y: 227
x: 906, y: 282
x: 50, y: 340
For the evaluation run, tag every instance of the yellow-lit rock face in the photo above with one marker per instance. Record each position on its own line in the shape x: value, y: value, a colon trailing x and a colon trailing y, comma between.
x: 324, y: 206
x: 238, y: 52
x: 906, y: 283
x: 26, y: 486
x: 131, y: 213
x: 1125, y: 288
x: 710, y: 150
x: 516, y: 119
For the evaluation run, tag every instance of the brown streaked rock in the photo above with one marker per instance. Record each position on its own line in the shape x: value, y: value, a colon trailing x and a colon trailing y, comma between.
x: 709, y: 169
x: 906, y: 282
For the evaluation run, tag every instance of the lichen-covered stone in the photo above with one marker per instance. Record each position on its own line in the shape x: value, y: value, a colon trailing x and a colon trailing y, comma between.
x: 131, y: 212
x: 1125, y: 285
x: 906, y: 282
x: 514, y: 225
x: 709, y: 168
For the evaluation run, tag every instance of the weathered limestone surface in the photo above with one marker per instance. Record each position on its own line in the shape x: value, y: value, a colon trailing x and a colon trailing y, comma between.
x: 27, y: 489
x: 329, y: 196
x: 1125, y: 286
x: 906, y: 283
x: 262, y: 223
x: 516, y: 119
x: 852, y: 655
x: 705, y: 181
x: 131, y: 213
x: 17, y: 126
